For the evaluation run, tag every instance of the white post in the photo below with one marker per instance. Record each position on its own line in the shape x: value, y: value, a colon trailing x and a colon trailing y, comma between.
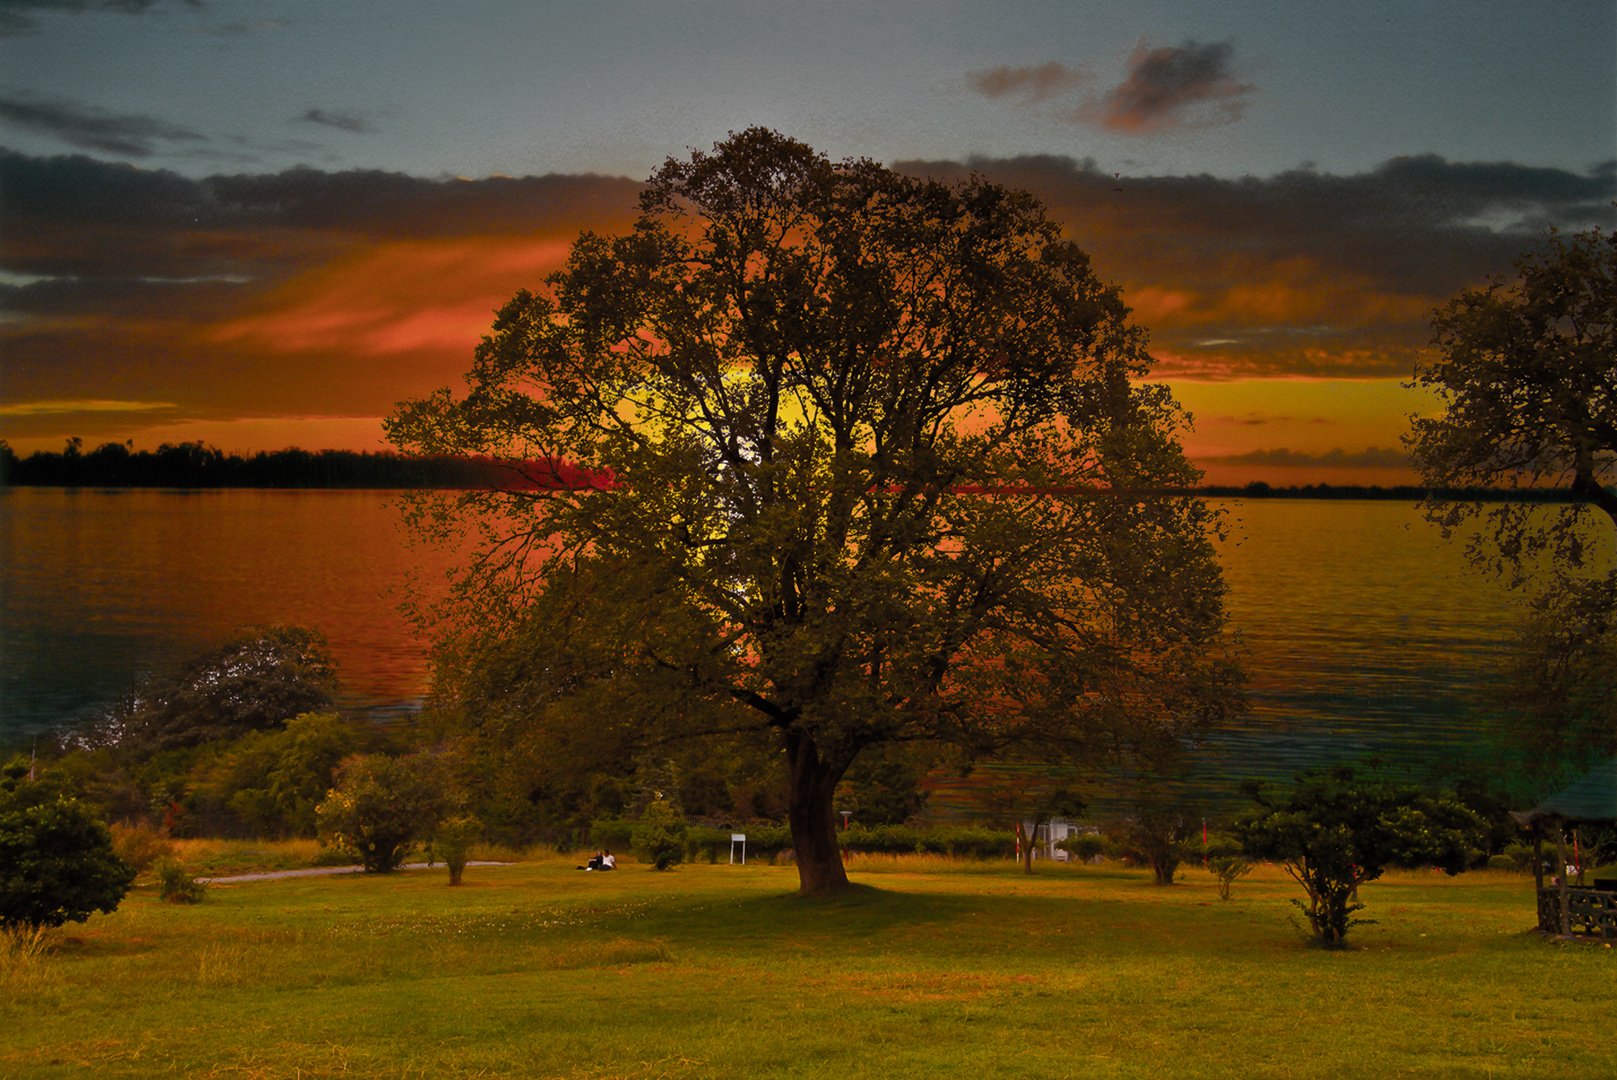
x: 738, y: 838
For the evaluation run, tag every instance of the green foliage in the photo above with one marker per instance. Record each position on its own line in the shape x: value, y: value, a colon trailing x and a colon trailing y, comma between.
x: 1529, y: 394
x: 383, y: 805
x: 255, y: 681
x: 56, y: 859
x: 1084, y: 846
x: 453, y: 842
x: 1526, y: 374
x: 176, y: 884
x: 659, y: 835
x: 884, y: 786
x: 140, y: 845
x: 1337, y: 829
x: 1159, y: 834
x: 1227, y: 869
x: 823, y: 457
x: 268, y: 783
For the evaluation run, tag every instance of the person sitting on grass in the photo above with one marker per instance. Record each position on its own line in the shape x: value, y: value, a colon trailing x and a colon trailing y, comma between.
x: 595, y: 862
x: 608, y: 862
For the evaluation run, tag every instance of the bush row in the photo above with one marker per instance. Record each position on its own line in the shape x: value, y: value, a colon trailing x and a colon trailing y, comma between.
x: 768, y: 841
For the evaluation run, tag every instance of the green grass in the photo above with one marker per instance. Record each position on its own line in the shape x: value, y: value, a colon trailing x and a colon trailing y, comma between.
x: 929, y: 969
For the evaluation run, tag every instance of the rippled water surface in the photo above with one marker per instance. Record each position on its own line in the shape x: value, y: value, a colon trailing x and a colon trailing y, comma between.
x: 1364, y: 630
x: 101, y: 586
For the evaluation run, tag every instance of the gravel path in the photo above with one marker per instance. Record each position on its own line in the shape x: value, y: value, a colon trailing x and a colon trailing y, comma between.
x: 321, y: 871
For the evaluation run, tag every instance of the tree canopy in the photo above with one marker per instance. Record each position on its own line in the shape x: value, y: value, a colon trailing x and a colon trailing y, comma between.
x: 1527, y: 375
x: 258, y: 679
x: 832, y: 457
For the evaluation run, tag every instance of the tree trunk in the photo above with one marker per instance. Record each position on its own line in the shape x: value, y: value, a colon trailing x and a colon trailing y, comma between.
x: 809, y: 810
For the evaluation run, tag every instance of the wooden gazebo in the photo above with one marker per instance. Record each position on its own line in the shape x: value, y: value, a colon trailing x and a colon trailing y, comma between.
x: 1565, y: 908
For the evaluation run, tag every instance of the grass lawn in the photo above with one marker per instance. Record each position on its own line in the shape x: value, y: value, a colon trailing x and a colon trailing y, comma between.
x: 930, y: 969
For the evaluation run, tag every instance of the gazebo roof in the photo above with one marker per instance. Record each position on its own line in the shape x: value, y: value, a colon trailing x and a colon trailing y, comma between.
x: 1592, y: 799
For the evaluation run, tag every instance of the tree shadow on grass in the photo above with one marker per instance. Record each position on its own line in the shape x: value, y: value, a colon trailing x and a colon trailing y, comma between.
x: 860, y: 911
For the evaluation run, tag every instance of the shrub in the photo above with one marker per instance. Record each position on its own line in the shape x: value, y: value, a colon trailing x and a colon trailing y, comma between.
x: 659, y: 835
x: 454, y: 842
x: 1227, y: 869
x: 1083, y: 846
x: 1520, y: 856
x: 140, y: 845
x: 176, y: 884
x: 333, y: 855
x: 381, y: 806
x: 56, y: 859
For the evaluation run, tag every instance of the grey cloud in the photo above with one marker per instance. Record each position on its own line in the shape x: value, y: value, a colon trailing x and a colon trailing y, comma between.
x: 75, y: 217
x: 1373, y: 457
x: 340, y: 120
x: 17, y: 16
x: 1032, y: 84
x: 1381, y: 247
x: 95, y: 129
x: 1174, y: 86
x: 1377, y: 250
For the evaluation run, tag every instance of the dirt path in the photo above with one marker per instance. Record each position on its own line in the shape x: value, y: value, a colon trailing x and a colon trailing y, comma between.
x: 322, y: 871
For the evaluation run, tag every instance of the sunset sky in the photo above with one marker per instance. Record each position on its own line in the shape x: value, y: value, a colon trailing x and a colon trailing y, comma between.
x: 261, y: 224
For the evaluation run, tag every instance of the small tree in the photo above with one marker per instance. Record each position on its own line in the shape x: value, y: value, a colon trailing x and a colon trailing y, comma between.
x: 1337, y: 830
x: 454, y: 841
x: 381, y: 806
x: 56, y: 859
x: 660, y: 834
x: 1225, y: 862
x: 1157, y: 834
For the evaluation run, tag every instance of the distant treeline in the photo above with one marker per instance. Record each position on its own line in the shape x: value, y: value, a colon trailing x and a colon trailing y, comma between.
x: 1404, y: 493
x: 195, y: 465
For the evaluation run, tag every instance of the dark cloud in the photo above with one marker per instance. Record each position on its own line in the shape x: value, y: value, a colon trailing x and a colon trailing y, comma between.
x: 1302, y: 273
x: 17, y: 16
x: 1188, y: 85
x: 1371, y: 458
x: 94, y: 129
x: 74, y: 216
x: 1031, y: 84
x: 339, y: 120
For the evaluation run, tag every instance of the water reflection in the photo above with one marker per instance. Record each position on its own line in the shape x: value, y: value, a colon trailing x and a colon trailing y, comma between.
x: 1365, y: 630
x: 100, y: 586
x: 1366, y: 633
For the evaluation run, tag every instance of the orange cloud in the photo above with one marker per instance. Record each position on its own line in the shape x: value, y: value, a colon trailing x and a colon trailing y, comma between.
x: 400, y: 297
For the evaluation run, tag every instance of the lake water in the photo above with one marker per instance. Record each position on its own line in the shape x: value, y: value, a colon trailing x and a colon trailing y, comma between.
x: 1364, y: 630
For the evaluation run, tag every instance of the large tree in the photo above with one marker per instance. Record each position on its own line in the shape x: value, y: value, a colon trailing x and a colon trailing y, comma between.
x: 830, y: 456
x: 1527, y: 374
